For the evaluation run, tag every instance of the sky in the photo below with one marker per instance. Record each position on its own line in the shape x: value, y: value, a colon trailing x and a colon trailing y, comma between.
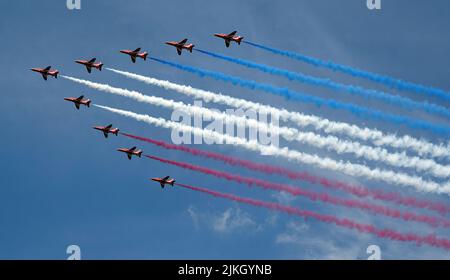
x: 63, y: 183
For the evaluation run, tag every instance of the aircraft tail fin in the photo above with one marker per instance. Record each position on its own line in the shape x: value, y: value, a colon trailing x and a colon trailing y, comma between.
x: 88, y: 103
x: 239, y: 39
x: 56, y: 74
x: 116, y: 132
x: 172, y: 182
x: 100, y: 66
x: 144, y: 55
x: 191, y: 47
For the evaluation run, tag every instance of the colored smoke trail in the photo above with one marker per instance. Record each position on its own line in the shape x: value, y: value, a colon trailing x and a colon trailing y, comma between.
x: 331, y: 143
x: 356, y: 190
x: 290, y: 134
x: 327, y: 83
x: 314, y: 196
x: 388, y: 176
x: 382, y: 79
x: 357, y: 110
x: 378, y: 138
x: 431, y: 239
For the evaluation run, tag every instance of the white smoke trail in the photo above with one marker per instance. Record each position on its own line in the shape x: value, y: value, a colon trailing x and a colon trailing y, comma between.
x: 356, y: 170
x: 378, y: 138
x: 329, y: 142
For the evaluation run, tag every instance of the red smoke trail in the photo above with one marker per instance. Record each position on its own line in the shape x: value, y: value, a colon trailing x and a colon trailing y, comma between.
x: 314, y: 196
x: 431, y: 239
x: 359, y: 191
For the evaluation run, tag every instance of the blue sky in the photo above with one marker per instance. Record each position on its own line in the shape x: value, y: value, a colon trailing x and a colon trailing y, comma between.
x: 62, y: 183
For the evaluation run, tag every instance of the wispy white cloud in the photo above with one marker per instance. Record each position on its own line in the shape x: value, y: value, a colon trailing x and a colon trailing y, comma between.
x: 307, y: 245
x: 231, y: 220
x: 194, y: 216
x: 284, y: 198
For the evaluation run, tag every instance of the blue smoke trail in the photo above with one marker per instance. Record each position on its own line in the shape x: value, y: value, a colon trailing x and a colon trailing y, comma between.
x: 388, y: 81
x: 356, y: 90
x: 301, y: 97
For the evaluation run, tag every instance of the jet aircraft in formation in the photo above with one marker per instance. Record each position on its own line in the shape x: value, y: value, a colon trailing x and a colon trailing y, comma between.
x: 230, y: 37
x: 90, y: 63
x: 164, y: 181
x: 181, y: 45
x: 107, y: 129
x: 131, y: 152
x: 136, y: 53
x: 79, y: 101
x: 46, y: 72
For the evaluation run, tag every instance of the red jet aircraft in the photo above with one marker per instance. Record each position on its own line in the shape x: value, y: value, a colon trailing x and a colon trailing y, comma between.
x: 107, y: 129
x: 46, y: 72
x: 135, y: 53
x: 230, y: 37
x: 90, y: 63
x: 79, y: 101
x: 131, y: 152
x: 164, y: 181
x: 181, y: 45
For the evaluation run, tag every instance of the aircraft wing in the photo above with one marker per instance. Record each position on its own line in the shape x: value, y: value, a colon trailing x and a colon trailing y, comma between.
x: 162, y: 184
x: 227, y: 43
x: 137, y: 50
x: 132, y: 149
x: 92, y: 60
x: 88, y: 68
x: 47, y: 68
x: 179, y: 51
x: 165, y: 178
x: 129, y: 156
x: 182, y: 42
x: 232, y: 33
x: 108, y: 126
x: 44, y: 76
x: 80, y: 98
x: 77, y: 105
x: 105, y: 133
x: 133, y: 59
